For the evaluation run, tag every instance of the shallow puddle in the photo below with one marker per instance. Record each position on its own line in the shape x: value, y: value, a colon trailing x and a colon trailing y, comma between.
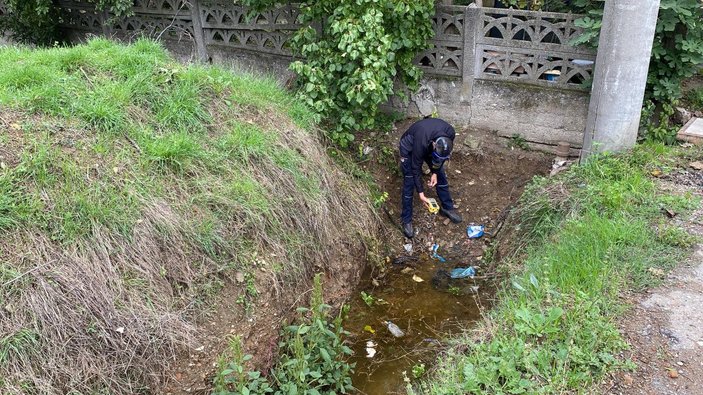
x: 428, y: 312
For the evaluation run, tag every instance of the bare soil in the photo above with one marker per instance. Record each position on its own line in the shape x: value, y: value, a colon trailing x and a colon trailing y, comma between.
x: 665, y: 324
x: 193, y: 372
x: 486, y: 177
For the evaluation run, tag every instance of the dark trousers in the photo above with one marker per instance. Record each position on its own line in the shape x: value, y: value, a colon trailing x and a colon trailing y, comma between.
x: 442, y: 189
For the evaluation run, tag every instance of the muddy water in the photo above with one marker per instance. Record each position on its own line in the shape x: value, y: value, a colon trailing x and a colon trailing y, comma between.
x: 428, y: 312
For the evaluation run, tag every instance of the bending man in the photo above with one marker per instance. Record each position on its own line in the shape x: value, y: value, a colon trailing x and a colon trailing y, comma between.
x: 430, y: 141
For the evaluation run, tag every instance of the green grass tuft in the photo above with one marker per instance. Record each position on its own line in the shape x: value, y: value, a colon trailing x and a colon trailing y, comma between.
x: 132, y: 190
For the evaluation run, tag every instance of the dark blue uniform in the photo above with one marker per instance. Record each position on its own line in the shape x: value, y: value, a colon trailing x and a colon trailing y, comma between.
x: 416, y: 148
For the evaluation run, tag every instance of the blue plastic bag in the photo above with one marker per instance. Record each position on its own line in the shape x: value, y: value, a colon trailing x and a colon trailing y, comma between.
x: 463, y: 272
x: 474, y: 231
x: 434, y: 255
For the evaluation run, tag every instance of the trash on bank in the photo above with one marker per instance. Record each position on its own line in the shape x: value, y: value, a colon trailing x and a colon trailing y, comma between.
x: 394, y: 329
x: 370, y: 349
x: 475, y: 231
x: 463, y: 272
x: 369, y: 329
x: 408, y: 248
x: 417, y: 278
x: 436, y: 256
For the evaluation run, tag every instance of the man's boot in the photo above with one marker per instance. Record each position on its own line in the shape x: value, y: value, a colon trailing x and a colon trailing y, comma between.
x: 451, y: 214
x: 408, y: 230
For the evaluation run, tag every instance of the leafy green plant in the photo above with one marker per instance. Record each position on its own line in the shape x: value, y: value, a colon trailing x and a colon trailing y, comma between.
x: 379, y: 199
x: 312, y: 358
x: 232, y: 374
x: 418, y: 370
x: 678, y: 48
x: 517, y: 141
x: 352, y: 61
x: 367, y: 298
x: 694, y: 98
x: 664, y: 129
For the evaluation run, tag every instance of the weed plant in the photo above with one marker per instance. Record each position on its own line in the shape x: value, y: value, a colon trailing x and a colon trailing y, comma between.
x: 694, y: 98
x: 312, y: 358
x: 589, y: 235
x: 132, y: 189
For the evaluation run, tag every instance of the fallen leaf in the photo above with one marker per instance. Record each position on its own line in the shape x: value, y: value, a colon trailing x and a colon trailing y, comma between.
x: 417, y: 278
x: 628, y: 380
x: 697, y: 165
x: 656, y: 271
x: 239, y: 276
x: 407, y: 270
x: 656, y: 173
x: 15, y: 126
x: 673, y: 373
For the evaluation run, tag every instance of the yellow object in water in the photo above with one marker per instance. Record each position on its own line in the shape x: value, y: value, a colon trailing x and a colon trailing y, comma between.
x: 432, y: 206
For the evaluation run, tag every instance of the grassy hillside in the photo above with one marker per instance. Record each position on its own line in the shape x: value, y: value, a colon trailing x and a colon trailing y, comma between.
x: 132, y: 188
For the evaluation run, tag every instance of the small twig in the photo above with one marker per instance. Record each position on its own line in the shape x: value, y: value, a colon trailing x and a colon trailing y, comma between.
x: 86, y: 77
x: 134, y: 143
x: 26, y: 273
x: 299, y: 297
x: 173, y: 21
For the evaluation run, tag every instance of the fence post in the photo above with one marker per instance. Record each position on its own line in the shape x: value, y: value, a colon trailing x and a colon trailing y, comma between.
x: 105, y: 17
x: 472, y: 25
x: 198, y: 35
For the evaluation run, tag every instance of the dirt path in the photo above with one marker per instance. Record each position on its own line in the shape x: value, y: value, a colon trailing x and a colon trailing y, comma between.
x: 665, y: 329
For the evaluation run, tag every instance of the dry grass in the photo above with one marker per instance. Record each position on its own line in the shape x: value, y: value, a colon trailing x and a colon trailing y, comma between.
x: 111, y: 246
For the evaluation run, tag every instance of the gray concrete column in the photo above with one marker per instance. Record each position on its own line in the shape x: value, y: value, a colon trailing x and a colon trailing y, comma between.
x: 620, y: 75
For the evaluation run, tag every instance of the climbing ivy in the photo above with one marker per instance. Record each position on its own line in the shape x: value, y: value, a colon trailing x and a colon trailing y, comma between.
x: 352, y: 52
x: 37, y: 21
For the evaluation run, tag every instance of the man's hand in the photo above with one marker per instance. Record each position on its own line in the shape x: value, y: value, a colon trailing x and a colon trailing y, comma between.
x: 424, y: 199
x: 433, y: 181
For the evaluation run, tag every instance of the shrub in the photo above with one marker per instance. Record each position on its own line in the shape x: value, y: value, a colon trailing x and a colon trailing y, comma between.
x: 312, y: 358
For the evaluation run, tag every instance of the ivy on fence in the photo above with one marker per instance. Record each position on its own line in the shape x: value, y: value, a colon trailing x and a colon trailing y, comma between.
x: 353, y: 57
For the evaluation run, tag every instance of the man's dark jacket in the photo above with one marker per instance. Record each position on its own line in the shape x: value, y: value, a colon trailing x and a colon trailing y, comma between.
x: 416, y: 145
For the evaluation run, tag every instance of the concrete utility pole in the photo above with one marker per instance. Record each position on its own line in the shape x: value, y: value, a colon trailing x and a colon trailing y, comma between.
x: 624, y: 49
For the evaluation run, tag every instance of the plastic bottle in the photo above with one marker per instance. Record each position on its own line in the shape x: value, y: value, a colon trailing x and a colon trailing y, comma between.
x: 393, y: 328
